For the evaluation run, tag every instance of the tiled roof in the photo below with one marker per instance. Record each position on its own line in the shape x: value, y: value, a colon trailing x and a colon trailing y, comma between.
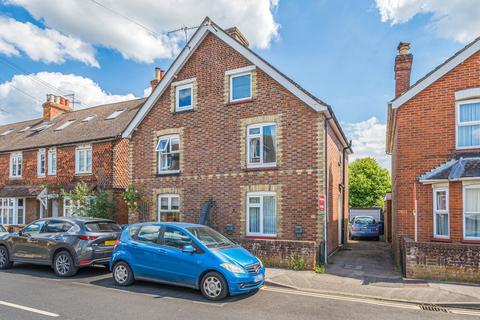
x: 20, y: 191
x: 455, y: 169
x: 79, y: 131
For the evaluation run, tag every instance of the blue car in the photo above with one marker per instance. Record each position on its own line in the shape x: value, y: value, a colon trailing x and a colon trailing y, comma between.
x: 187, y: 255
x: 364, y: 227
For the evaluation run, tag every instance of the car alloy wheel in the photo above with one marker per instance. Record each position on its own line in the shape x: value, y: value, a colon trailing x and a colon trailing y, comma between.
x: 212, y: 286
x: 3, y: 257
x: 121, y: 274
x: 62, y: 264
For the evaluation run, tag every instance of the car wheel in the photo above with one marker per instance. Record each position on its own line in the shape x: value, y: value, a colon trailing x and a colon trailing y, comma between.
x: 213, y: 286
x: 122, y: 274
x: 64, y: 265
x: 5, y: 262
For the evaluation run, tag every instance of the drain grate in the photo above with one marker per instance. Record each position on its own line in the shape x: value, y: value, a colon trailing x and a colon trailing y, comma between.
x: 433, y: 308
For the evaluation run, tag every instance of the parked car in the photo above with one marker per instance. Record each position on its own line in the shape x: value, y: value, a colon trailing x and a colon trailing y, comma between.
x: 364, y: 227
x: 66, y: 244
x: 188, y: 255
x: 3, y: 231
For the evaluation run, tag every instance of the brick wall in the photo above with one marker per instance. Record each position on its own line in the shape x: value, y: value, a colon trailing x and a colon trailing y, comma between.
x: 278, y: 253
x: 424, y: 139
x: 441, y: 261
x: 213, y: 149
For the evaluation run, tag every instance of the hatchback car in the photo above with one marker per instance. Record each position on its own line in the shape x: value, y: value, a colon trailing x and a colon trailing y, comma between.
x: 364, y: 227
x: 63, y: 243
x: 188, y: 255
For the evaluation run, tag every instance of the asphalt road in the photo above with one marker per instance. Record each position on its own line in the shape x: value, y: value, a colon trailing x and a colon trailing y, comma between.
x: 33, y: 292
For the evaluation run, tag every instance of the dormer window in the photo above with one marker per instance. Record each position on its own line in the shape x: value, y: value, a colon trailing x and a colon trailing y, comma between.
x: 115, y: 114
x: 7, y: 132
x: 25, y: 129
x: 64, y: 125
x: 87, y: 119
x: 42, y: 127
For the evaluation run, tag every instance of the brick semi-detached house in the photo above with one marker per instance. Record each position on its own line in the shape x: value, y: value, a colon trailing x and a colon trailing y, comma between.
x: 433, y: 135
x: 227, y: 139
x: 40, y: 157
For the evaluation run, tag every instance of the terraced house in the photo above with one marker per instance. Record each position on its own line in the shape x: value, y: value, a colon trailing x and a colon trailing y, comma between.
x: 40, y: 157
x: 227, y: 139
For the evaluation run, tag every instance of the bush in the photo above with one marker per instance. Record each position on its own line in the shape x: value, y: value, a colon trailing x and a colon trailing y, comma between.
x: 101, y: 205
x: 319, y: 269
x: 296, y: 262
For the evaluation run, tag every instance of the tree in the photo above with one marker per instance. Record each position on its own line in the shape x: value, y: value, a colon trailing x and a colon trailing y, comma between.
x: 88, y: 203
x: 368, y: 183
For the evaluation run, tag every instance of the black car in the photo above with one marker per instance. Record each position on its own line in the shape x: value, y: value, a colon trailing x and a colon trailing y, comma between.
x: 63, y: 243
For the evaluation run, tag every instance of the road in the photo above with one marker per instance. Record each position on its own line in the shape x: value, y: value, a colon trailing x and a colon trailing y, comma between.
x: 33, y: 292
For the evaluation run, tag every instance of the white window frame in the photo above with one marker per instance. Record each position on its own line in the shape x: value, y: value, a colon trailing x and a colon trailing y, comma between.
x: 177, y: 97
x: 52, y: 153
x: 465, y: 187
x: 16, y: 159
x: 261, y: 195
x: 41, y: 153
x: 4, y: 215
x: 233, y: 76
x: 437, y: 189
x: 159, y: 204
x: 464, y: 124
x: 159, y: 153
x: 115, y: 114
x: 78, y: 154
x: 70, y: 208
x: 261, y: 164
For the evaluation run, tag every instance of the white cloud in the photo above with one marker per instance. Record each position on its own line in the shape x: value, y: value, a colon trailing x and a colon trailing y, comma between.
x: 45, y: 45
x: 368, y: 140
x: 19, y: 106
x: 101, y: 27
x: 452, y: 19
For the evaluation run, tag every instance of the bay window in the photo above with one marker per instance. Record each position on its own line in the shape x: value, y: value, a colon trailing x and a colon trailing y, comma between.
x: 168, y: 151
x: 468, y: 124
x: 261, y: 145
x: 261, y: 214
x: 168, y: 207
x: 12, y: 211
x: 441, y: 217
x: 471, y: 212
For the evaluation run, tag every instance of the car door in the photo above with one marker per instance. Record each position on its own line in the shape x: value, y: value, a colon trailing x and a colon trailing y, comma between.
x: 50, y: 236
x: 178, y: 266
x: 146, y: 252
x: 23, y: 246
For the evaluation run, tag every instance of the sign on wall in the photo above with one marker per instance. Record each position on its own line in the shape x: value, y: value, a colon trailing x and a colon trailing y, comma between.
x: 321, y: 203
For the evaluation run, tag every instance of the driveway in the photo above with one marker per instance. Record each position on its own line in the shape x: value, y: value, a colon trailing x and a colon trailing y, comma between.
x: 370, y: 261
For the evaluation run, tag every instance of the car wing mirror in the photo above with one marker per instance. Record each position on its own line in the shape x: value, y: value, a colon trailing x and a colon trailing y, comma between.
x: 188, y: 249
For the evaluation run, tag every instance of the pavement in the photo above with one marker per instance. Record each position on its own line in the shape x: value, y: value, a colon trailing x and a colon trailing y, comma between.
x: 34, y: 292
x: 366, y: 269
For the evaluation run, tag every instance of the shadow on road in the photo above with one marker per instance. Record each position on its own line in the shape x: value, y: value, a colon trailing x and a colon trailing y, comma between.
x: 47, y: 272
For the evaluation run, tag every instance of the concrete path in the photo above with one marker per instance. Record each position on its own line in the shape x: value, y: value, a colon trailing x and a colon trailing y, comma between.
x: 366, y: 269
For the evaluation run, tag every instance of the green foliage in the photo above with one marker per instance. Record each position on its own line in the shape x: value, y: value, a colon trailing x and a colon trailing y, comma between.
x: 319, y: 269
x: 368, y: 183
x: 81, y: 195
x: 296, y: 262
x: 101, y: 205
x: 88, y: 203
x: 132, y: 197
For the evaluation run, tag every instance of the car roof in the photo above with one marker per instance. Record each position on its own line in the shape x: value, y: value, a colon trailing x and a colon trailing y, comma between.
x: 174, y: 224
x: 77, y: 219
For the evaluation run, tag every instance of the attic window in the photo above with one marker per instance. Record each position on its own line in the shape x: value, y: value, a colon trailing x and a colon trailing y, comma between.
x: 25, y: 129
x: 7, y: 132
x: 89, y: 118
x: 42, y: 127
x: 66, y: 124
x: 115, y: 114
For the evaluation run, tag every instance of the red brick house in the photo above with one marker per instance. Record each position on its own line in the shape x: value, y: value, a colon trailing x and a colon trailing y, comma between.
x: 40, y: 157
x: 225, y: 137
x: 434, y: 139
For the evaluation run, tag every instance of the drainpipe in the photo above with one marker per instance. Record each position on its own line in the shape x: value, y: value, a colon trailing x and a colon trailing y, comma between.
x: 325, y: 220
x: 344, y: 152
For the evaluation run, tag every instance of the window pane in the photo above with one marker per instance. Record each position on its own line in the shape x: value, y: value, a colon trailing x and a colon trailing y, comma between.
x: 175, y: 203
x: 442, y: 224
x: 253, y: 200
x: 269, y: 219
x: 175, y: 144
x: 175, y: 161
x: 254, y: 130
x: 241, y: 87
x: 148, y: 234
x: 176, y: 238
x: 162, y: 145
x: 89, y: 160
x: 254, y: 147
x: 472, y: 200
x: 468, y: 136
x: 470, y: 112
x: 441, y: 200
x: 170, y: 216
x: 184, y: 97
x: 81, y: 160
x: 254, y: 219
x: 163, y: 203
x: 269, y: 150
x: 472, y: 225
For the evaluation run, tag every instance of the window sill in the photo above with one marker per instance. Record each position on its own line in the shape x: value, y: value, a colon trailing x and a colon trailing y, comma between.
x: 183, y: 111
x: 232, y: 103
x: 81, y: 174
x: 446, y: 240
x: 470, y: 241
x: 253, y: 169
x: 168, y: 174
x: 261, y: 237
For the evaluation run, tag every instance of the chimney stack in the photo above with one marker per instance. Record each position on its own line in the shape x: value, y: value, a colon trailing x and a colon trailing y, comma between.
x: 235, y: 33
x: 403, y: 68
x: 54, y: 106
x: 159, y: 74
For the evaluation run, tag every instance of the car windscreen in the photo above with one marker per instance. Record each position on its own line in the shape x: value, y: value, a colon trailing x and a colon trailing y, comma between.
x: 364, y: 221
x: 2, y: 229
x: 210, y: 238
x: 102, y: 226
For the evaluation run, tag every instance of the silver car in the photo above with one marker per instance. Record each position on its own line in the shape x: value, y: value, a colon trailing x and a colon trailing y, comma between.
x: 65, y: 244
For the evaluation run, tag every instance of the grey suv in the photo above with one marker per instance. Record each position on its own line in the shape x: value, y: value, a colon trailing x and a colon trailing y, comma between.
x: 63, y: 243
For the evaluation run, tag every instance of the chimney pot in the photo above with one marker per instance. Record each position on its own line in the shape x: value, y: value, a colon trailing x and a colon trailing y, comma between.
x: 403, y: 48
x: 159, y: 74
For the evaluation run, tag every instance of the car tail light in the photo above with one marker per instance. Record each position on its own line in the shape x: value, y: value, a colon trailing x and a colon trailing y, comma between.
x: 116, y: 244
x: 88, y: 238
x: 355, y: 228
x: 85, y: 262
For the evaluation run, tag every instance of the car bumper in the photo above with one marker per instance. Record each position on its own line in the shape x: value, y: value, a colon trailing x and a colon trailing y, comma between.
x: 244, y: 283
x: 91, y: 256
x: 363, y: 234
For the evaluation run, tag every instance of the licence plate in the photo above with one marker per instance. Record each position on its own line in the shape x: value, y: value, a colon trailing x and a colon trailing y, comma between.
x: 109, y: 243
x: 258, y: 278
x: 365, y: 230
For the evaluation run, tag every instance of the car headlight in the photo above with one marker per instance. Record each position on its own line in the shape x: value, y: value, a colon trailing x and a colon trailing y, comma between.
x: 232, y: 267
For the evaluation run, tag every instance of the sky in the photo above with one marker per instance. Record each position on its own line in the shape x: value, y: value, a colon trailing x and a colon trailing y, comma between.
x: 342, y: 51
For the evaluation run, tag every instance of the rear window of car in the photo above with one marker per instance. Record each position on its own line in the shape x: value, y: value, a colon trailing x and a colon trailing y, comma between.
x: 102, y: 226
x: 364, y: 221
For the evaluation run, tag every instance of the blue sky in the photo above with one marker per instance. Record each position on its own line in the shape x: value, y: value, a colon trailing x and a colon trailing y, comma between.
x: 341, y: 51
